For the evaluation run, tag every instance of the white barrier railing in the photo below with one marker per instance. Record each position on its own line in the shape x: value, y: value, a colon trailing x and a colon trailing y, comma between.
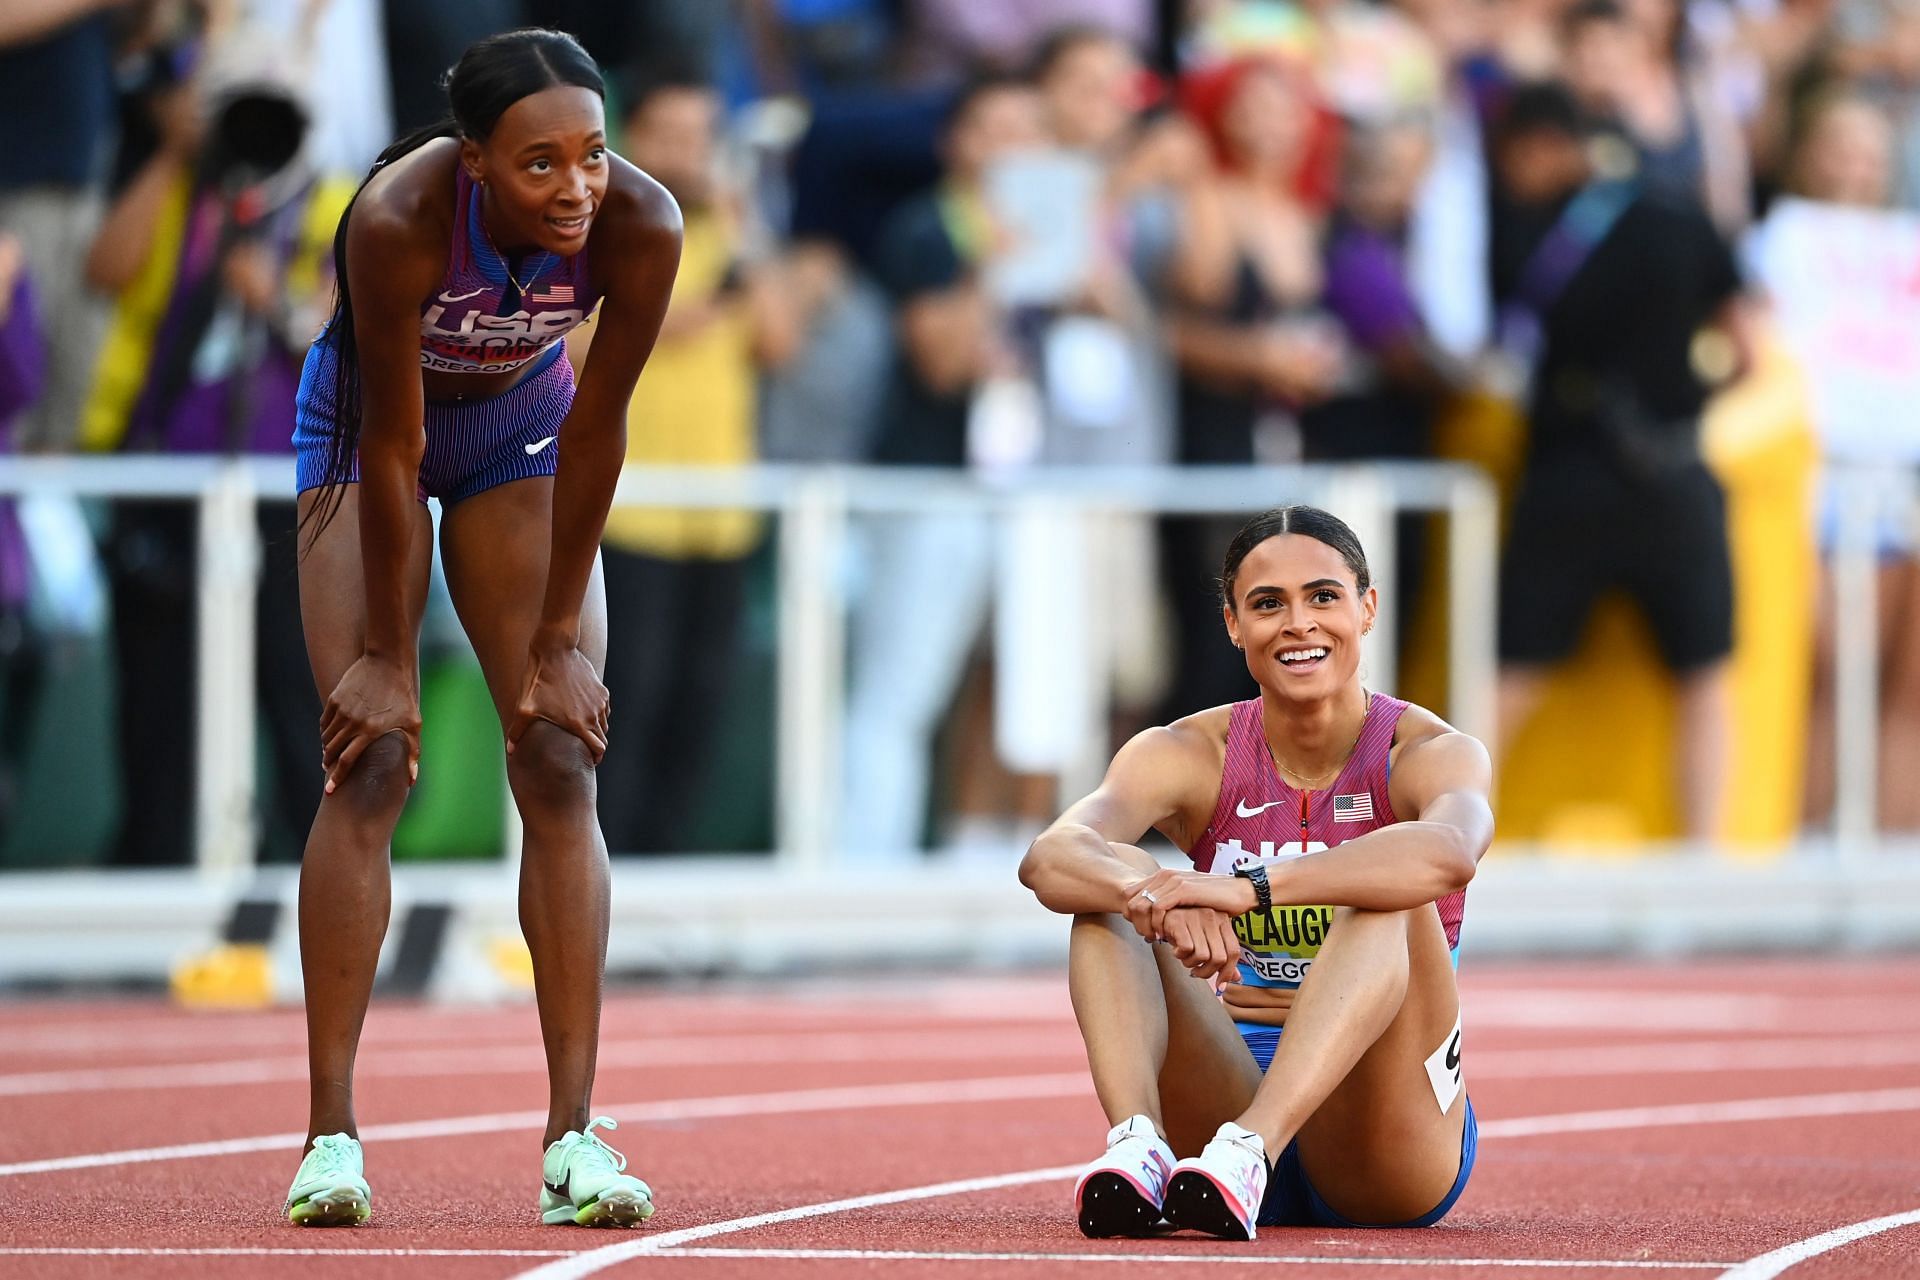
x: 813, y: 505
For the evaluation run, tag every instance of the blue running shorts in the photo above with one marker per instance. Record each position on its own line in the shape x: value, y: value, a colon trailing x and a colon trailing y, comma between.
x: 472, y: 445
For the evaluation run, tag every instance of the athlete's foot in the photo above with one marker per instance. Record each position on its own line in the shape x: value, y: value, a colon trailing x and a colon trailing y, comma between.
x: 1219, y: 1191
x: 330, y: 1190
x: 582, y: 1183
x: 1120, y: 1193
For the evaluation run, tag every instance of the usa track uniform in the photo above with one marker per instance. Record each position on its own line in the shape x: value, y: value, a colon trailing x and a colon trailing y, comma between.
x: 1260, y: 818
x: 477, y: 321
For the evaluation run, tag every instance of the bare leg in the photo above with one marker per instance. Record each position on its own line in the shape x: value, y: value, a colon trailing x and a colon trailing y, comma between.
x: 1705, y: 738
x: 496, y: 550
x: 1817, y: 803
x: 1900, y: 698
x: 345, y: 892
x: 1159, y: 1043
x: 1349, y: 1077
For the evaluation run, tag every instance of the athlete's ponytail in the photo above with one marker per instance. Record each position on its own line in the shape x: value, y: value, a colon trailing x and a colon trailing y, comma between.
x: 490, y: 77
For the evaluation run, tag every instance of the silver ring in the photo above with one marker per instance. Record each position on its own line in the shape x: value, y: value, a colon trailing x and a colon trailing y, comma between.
x: 1148, y: 895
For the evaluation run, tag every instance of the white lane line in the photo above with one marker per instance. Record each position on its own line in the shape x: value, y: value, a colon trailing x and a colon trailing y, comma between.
x: 1862, y: 1102
x: 1768, y: 1265
x: 788, y: 1102
x: 1686, y: 1057
x: 591, y: 1261
x: 974, y: 1089
x: 240, y: 1251
x: 874, y: 1255
x: 1648, y: 1058
x: 1231, y: 1259
x: 942, y: 1044
x: 1572, y: 1009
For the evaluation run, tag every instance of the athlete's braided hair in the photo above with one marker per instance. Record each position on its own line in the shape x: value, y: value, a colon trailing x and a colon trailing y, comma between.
x: 491, y: 76
x: 1308, y: 522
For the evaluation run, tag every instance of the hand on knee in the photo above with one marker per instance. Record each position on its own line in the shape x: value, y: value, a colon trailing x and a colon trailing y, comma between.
x: 551, y: 770
x: 375, y: 789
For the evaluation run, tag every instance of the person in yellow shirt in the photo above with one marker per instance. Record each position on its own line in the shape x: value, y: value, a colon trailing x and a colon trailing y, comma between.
x: 676, y: 578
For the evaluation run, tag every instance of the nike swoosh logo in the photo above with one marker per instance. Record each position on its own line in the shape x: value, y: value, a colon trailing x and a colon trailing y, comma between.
x: 1244, y: 812
x: 460, y: 297
x: 538, y: 445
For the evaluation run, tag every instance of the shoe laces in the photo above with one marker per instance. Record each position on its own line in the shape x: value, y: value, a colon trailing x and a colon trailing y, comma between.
x: 590, y: 1146
x: 333, y: 1153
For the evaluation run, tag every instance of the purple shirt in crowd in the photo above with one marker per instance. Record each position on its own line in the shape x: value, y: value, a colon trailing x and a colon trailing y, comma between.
x: 23, y: 372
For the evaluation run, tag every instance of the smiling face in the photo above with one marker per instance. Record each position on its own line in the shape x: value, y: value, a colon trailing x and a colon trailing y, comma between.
x: 545, y: 169
x: 1299, y: 614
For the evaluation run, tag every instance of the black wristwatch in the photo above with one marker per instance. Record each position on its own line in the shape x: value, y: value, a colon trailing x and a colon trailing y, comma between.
x: 1257, y: 873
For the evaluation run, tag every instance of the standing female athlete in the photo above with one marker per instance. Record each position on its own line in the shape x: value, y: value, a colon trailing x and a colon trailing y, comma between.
x: 470, y: 251
x: 1334, y: 832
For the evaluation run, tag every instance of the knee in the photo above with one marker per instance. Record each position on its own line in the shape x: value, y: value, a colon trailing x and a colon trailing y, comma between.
x: 551, y: 770
x: 375, y: 789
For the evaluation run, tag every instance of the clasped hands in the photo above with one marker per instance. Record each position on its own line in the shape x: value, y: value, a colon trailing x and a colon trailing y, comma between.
x: 1193, y: 912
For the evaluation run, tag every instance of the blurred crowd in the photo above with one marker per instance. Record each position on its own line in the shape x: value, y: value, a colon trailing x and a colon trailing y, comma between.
x: 968, y: 234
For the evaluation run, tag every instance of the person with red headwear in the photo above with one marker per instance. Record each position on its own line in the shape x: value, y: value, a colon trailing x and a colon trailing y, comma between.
x: 1246, y: 328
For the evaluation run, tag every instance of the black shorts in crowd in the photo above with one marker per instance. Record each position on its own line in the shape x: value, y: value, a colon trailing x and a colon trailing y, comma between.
x: 1580, y: 529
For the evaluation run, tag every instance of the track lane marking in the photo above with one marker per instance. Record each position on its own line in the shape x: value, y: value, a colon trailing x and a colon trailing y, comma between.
x: 1802, y: 1106
x: 726, y: 1106
x: 595, y: 1260
x: 1647, y: 1058
x: 1515, y: 1007
x: 973, y: 1089
x: 1203, y: 1259
x: 1771, y: 1264
x: 692, y: 1051
x: 868, y: 1255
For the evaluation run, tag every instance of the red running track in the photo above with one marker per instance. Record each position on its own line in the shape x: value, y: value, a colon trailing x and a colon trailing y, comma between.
x: 1639, y: 1120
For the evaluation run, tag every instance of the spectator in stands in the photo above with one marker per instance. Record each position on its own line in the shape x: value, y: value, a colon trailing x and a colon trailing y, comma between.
x: 219, y: 253
x: 1630, y: 64
x: 22, y: 372
x: 56, y: 93
x: 1608, y: 290
x: 1845, y: 159
x: 928, y: 576
x: 676, y: 579
x: 1251, y: 339
x: 1397, y: 378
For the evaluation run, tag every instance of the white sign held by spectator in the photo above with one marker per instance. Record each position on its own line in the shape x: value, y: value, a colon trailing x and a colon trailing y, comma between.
x: 1845, y: 284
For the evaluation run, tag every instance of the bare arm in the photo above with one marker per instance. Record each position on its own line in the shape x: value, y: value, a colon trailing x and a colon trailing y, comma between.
x: 1444, y: 781
x: 1073, y: 865
x: 393, y: 261
x: 394, y: 257
x: 125, y: 239
x: 1254, y: 357
x: 24, y: 21
x: 642, y: 254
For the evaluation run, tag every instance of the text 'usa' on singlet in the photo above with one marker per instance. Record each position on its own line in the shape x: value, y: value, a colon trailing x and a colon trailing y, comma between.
x: 1260, y: 818
x: 478, y: 320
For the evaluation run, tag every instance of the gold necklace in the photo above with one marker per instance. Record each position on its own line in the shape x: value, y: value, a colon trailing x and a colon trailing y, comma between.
x: 522, y: 288
x: 1314, y: 784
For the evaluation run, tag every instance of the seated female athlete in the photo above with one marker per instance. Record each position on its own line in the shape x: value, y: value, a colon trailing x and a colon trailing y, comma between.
x: 1333, y: 832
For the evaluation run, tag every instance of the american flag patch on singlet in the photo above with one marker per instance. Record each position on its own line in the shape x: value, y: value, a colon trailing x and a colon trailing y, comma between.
x: 1354, y: 808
